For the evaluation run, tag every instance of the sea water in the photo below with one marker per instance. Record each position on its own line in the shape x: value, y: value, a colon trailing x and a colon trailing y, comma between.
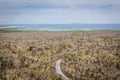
x: 64, y: 27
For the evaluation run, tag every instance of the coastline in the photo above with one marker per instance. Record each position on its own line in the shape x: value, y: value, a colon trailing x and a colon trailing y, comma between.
x: 9, y: 30
x: 61, y: 27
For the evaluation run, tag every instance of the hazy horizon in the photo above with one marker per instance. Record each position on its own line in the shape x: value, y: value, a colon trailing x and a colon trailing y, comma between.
x: 56, y: 23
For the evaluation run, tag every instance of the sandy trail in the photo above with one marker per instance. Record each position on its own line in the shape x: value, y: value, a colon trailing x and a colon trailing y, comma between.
x: 58, y: 69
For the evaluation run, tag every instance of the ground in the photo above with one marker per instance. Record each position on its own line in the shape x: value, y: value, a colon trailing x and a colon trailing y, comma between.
x: 86, y: 55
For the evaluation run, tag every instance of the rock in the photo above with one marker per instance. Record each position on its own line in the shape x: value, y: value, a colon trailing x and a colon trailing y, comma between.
x: 32, y: 48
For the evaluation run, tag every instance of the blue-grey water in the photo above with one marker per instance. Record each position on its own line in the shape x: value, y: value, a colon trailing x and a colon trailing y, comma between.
x: 65, y: 27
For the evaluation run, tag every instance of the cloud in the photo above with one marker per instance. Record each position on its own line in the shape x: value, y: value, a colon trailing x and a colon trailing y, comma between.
x: 55, y: 3
x: 107, y: 6
x: 46, y: 6
x: 64, y: 11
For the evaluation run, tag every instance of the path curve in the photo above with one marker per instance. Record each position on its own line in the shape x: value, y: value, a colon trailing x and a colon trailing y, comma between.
x: 59, y: 71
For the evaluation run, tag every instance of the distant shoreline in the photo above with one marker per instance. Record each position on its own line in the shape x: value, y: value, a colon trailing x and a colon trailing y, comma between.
x: 9, y: 30
x: 61, y: 27
x: 2, y: 27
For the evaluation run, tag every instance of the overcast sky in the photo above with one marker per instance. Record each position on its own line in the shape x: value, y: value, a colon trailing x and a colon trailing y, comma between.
x: 59, y: 11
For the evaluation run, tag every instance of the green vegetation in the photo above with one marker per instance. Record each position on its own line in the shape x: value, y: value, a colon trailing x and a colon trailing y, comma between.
x: 8, y: 30
x: 92, y: 55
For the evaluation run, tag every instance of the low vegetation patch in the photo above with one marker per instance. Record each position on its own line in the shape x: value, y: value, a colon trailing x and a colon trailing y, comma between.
x: 92, y: 55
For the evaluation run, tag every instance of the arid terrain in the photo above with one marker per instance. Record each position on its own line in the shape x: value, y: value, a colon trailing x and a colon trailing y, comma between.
x: 89, y: 55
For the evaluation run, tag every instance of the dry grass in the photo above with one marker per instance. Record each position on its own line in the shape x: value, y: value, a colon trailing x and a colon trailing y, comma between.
x: 93, y: 55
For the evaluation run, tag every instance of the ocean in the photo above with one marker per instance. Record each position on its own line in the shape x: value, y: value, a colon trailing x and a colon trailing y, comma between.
x: 64, y: 27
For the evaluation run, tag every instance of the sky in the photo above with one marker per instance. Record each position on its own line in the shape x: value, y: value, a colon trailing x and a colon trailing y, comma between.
x: 59, y: 11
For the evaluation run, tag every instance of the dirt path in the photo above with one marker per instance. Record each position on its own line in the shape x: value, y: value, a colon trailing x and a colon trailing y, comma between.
x: 58, y: 69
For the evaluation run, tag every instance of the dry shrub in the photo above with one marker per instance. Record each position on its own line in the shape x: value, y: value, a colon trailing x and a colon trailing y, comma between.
x: 93, y: 55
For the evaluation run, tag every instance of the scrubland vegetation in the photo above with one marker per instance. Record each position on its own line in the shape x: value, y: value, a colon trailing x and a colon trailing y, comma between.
x: 4, y: 30
x: 92, y: 55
